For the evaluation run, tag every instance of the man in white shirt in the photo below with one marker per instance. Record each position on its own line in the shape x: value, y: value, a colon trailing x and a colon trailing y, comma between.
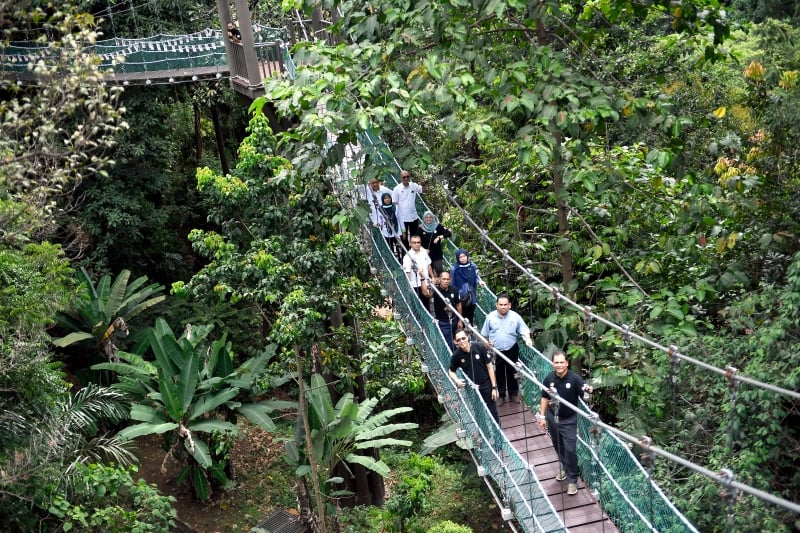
x: 418, y: 269
x: 372, y: 194
x: 405, y: 196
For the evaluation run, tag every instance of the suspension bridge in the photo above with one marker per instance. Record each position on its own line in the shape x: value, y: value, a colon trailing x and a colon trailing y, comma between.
x: 617, y: 491
x: 517, y: 460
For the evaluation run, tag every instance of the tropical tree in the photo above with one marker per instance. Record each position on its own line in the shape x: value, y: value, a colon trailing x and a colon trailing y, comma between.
x: 104, y: 310
x: 340, y: 439
x: 41, y: 453
x: 192, y: 394
x: 47, y: 153
x: 282, y: 253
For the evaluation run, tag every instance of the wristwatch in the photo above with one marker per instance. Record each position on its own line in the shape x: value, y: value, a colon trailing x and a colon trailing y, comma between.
x: 539, y: 416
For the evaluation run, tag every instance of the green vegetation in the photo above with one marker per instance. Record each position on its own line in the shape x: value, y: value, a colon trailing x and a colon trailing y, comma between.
x: 642, y: 157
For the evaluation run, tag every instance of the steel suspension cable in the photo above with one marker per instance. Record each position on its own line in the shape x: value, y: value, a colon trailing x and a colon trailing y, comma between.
x: 558, y: 296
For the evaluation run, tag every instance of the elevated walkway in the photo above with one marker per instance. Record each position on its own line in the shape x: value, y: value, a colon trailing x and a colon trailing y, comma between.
x: 162, y: 58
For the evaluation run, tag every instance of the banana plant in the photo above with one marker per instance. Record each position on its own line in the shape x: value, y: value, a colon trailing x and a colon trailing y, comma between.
x: 339, y: 434
x: 105, y: 308
x: 193, y: 395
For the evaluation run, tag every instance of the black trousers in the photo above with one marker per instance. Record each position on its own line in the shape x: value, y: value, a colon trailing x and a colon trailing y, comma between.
x: 505, y: 372
x: 486, y: 394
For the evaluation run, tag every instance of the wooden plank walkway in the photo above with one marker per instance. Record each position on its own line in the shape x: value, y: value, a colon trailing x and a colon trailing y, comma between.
x: 581, y: 512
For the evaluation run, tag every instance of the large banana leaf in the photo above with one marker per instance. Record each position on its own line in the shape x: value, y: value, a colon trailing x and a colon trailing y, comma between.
x: 145, y: 428
x: 211, y: 424
x: 202, y: 487
x: 380, y: 419
x: 385, y: 429
x: 258, y: 414
x: 169, y: 354
x: 187, y: 382
x: 169, y: 395
x: 114, y: 298
x: 379, y: 467
x: 320, y: 399
x: 72, y: 338
x: 211, y: 401
x: 380, y: 443
x: 201, y: 453
x: 144, y: 413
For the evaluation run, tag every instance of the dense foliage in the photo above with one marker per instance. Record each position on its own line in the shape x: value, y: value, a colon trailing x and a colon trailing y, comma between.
x: 598, y: 142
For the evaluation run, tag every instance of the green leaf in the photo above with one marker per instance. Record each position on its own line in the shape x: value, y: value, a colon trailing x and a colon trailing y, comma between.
x: 201, y: 453
x: 380, y: 443
x: 258, y: 414
x: 201, y: 485
x: 379, y: 467
x: 138, y: 430
x: 144, y: 413
x: 210, y: 425
x: 72, y: 338
x: 187, y: 383
x: 169, y: 396
x: 211, y: 401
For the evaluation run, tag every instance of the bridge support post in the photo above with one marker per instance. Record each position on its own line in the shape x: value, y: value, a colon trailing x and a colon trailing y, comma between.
x: 242, y: 59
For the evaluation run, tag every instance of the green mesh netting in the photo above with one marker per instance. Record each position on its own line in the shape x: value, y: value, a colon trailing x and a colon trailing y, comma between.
x: 159, y: 53
x: 625, y: 491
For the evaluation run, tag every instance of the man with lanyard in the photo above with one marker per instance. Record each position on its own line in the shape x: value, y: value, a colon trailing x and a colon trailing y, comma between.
x: 476, y: 363
x: 418, y: 269
x: 372, y: 194
x: 563, y: 425
x: 502, y: 328
x: 447, y: 320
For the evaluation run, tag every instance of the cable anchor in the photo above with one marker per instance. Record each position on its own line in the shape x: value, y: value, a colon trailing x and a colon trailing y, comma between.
x: 728, y: 492
x: 648, y: 457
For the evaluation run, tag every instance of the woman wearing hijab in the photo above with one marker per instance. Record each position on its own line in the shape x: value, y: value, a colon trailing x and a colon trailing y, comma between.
x: 465, y: 279
x: 432, y: 234
x: 390, y: 225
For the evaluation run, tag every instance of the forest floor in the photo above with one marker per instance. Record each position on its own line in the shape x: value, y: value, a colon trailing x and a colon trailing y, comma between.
x: 263, y: 483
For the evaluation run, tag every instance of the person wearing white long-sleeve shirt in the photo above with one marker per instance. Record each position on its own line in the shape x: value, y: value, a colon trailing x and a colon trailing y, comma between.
x: 372, y: 194
x: 405, y: 196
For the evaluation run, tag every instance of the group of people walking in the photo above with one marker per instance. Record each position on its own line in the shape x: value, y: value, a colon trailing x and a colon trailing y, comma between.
x: 495, y: 375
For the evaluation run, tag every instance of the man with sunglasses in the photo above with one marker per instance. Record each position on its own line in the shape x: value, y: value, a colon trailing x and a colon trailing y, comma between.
x: 476, y: 363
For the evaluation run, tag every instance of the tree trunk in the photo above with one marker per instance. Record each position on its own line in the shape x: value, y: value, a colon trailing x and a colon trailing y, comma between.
x: 561, y: 207
x: 223, y: 157
x: 312, y: 460
x: 198, y: 133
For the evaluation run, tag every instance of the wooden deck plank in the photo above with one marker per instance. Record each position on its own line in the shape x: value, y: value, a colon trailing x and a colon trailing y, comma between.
x: 580, y: 512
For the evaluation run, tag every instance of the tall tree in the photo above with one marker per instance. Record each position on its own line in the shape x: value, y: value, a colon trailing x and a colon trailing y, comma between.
x: 281, y: 254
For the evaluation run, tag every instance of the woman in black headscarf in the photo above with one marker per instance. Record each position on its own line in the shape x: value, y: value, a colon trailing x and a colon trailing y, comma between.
x: 390, y: 225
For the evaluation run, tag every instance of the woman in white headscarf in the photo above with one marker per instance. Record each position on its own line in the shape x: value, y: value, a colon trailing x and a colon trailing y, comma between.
x: 432, y: 233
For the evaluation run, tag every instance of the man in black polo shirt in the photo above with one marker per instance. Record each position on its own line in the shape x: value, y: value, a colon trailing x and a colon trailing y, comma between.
x: 447, y: 320
x: 476, y: 363
x: 563, y: 425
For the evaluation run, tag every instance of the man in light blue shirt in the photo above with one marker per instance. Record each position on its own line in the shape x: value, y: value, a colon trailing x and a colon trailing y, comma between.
x: 503, y: 328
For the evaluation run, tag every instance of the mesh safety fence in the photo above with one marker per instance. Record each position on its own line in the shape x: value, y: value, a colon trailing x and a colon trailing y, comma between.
x: 615, y: 477
x: 158, y: 53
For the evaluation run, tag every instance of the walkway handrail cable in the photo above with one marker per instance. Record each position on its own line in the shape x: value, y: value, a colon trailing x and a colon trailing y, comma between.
x: 671, y: 350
